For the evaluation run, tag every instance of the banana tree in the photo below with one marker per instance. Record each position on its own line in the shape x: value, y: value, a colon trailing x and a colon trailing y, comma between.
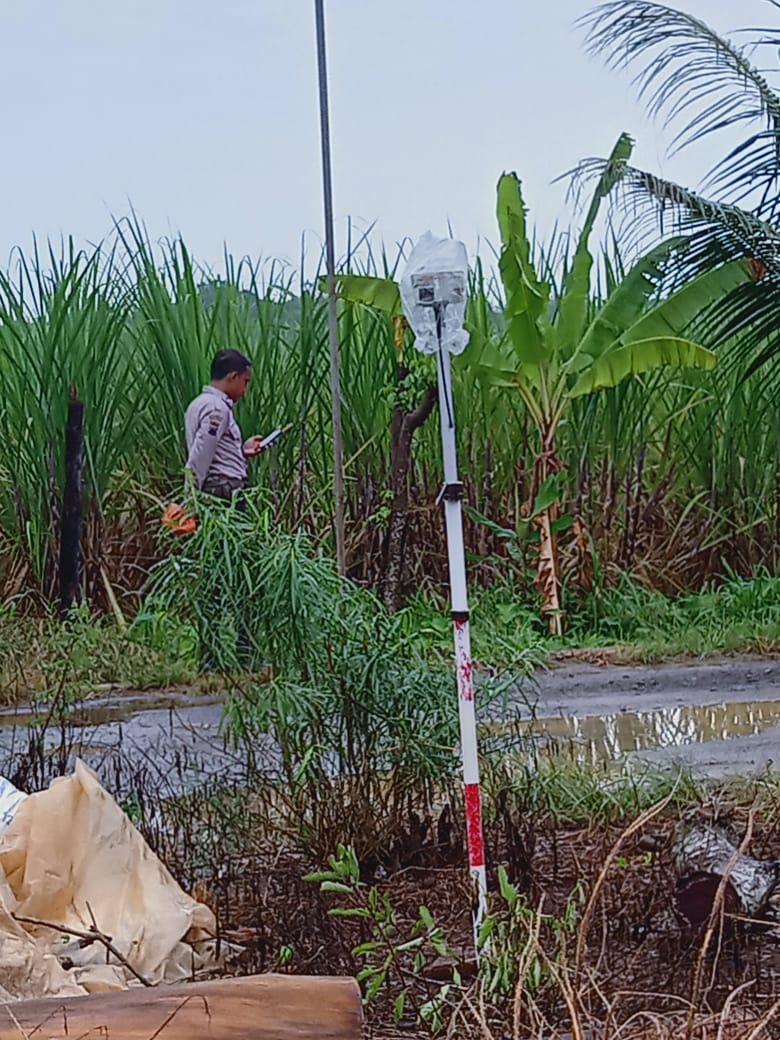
x: 559, y: 347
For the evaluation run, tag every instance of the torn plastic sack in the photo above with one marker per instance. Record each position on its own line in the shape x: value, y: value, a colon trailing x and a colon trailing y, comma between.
x: 434, y: 287
x: 70, y: 856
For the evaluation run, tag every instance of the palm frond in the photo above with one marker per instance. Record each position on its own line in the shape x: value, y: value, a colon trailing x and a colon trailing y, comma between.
x: 701, y: 81
x: 651, y: 205
x: 715, y: 233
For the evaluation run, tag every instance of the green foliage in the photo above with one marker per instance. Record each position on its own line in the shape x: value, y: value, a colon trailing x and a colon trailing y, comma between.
x: 511, y: 942
x: 133, y: 327
x: 350, y: 684
x: 505, y: 628
x: 388, y: 955
x: 578, y: 794
x: 61, y: 326
x: 738, y: 614
x: 519, y: 946
x: 527, y: 533
x: 580, y: 344
x: 735, y: 615
x: 641, y: 356
x: 379, y: 293
x: 46, y: 660
x: 704, y: 85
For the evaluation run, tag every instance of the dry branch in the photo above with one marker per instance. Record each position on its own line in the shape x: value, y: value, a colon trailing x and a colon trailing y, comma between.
x: 93, y: 934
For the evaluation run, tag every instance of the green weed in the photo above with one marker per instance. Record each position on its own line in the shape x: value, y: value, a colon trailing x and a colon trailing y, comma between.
x: 42, y: 659
x: 739, y: 614
x: 555, y: 786
x: 361, y: 708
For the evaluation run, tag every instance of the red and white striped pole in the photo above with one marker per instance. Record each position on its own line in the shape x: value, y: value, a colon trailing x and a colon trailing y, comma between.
x: 433, y: 293
x: 451, y: 495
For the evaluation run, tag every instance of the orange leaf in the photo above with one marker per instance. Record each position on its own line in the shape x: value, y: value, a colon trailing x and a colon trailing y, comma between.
x: 176, y: 520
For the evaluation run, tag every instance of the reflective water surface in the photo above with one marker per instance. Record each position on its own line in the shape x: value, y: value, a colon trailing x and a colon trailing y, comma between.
x: 601, y: 738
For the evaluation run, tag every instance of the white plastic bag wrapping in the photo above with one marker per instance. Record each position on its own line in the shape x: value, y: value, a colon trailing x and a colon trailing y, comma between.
x: 437, y: 272
x: 10, y: 797
x: 70, y: 846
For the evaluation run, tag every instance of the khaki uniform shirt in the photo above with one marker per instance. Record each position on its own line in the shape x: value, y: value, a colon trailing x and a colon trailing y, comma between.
x: 215, y: 448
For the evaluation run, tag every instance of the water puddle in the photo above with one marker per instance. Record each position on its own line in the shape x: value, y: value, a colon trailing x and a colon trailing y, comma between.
x: 597, y: 738
x: 101, y: 711
x: 171, y: 740
x: 176, y: 733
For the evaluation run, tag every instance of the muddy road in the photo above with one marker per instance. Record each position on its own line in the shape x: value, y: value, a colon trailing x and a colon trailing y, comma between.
x: 717, y: 717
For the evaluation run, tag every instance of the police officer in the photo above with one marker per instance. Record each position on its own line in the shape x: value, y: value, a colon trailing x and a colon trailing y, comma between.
x: 216, y: 454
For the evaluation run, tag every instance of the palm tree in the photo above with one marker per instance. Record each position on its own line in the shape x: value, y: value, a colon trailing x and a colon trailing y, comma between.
x: 705, y: 84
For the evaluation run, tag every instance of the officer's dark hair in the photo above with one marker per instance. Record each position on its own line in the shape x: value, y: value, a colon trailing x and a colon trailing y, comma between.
x: 228, y: 361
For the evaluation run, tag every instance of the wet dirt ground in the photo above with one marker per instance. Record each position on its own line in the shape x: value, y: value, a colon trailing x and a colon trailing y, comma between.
x: 717, y: 717
x: 166, y: 741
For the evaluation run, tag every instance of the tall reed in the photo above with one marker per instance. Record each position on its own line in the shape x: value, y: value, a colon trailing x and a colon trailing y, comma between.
x: 671, y: 476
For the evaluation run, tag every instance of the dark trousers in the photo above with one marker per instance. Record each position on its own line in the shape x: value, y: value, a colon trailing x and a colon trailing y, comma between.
x: 227, y: 489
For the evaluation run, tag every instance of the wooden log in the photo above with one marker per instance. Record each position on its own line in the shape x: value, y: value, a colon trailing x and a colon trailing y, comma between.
x: 70, y: 530
x: 260, y: 1007
x: 703, y: 854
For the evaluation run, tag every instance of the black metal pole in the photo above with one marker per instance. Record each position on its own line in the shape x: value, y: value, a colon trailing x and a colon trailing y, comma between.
x: 330, y: 264
x: 70, y: 530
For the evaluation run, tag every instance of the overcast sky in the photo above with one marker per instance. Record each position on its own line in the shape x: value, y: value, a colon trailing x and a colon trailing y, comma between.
x: 203, y: 114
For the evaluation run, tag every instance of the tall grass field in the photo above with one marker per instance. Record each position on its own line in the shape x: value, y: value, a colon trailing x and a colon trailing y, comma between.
x: 672, y: 478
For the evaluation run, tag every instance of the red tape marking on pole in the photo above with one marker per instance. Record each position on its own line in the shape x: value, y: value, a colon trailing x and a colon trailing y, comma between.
x: 474, y: 825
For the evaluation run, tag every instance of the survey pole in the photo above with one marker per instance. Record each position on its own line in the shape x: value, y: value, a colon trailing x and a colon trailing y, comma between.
x: 330, y: 271
x: 451, y: 496
x: 434, y: 290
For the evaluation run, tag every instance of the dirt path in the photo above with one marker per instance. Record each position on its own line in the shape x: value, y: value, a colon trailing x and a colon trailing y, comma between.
x: 719, y: 716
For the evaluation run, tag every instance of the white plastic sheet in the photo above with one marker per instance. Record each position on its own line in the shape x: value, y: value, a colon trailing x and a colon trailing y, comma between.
x: 10, y: 798
x: 436, y: 279
x: 71, y: 849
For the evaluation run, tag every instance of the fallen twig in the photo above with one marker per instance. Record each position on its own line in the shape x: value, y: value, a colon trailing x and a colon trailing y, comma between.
x: 177, y: 1009
x: 92, y: 935
x: 22, y: 1032
x: 716, y: 918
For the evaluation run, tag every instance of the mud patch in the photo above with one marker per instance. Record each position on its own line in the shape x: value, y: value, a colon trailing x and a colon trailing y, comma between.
x: 716, y: 717
x: 595, y: 739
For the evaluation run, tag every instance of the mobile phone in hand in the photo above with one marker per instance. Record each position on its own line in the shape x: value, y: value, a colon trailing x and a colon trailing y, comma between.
x: 266, y: 442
